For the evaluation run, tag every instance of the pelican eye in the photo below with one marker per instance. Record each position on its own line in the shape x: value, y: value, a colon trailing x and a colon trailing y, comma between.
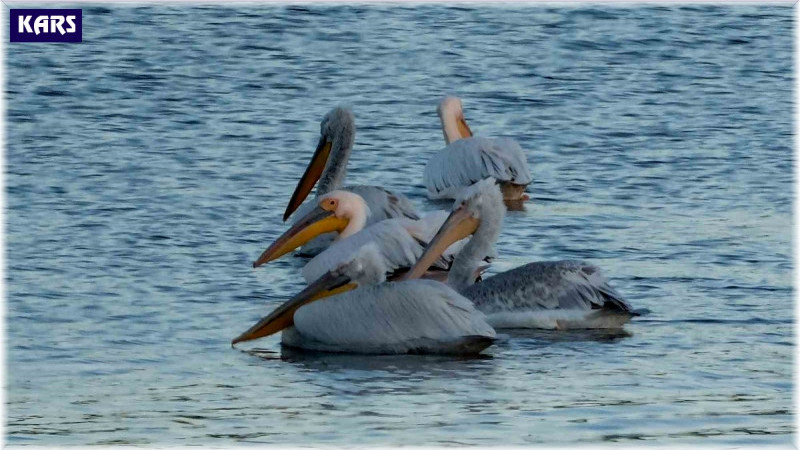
x: 329, y: 204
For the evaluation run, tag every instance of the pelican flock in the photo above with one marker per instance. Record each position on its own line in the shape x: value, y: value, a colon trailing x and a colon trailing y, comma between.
x: 386, y: 280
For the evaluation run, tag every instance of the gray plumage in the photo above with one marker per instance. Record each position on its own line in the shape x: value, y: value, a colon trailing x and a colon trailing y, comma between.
x: 549, y: 287
x: 339, y: 126
x: 546, y: 294
x: 468, y: 160
x: 485, y: 202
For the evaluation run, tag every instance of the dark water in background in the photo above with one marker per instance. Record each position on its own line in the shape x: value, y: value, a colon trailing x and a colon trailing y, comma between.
x: 148, y: 166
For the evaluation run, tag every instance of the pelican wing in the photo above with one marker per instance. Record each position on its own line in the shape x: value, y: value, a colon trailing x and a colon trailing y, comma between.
x: 466, y: 161
x: 547, y: 285
x: 426, y: 227
x: 396, y: 246
x: 410, y: 316
x: 384, y: 204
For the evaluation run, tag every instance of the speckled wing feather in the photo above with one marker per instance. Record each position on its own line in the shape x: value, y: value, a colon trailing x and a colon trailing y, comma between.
x: 550, y: 285
x: 397, y: 317
x: 466, y: 161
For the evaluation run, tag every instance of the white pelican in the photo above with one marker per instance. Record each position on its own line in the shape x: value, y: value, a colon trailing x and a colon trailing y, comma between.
x: 399, y: 241
x: 353, y: 310
x: 546, y: 294
x: 467, y: 159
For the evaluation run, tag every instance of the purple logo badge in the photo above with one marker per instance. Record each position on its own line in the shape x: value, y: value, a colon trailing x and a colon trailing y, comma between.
x: 46, y: 25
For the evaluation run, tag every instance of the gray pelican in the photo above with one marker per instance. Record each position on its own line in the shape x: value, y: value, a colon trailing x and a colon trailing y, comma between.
x: 328, y: 165
x: 400, y: 241
x: 546, y: 294
x: 467, y: 159
x: 352, y: 309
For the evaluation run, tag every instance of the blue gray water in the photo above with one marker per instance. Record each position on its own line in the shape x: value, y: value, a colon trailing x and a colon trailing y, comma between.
x: 147, y: 167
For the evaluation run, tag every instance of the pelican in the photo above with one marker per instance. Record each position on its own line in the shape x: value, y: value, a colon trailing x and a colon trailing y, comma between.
x: 352, y: 309
x: 545, y: 294
x: 467, y: 159
x: 400, y: 241
x: 328, y: 165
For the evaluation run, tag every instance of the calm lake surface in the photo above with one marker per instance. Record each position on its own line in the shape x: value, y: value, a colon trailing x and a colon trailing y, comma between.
x: 147, y: 167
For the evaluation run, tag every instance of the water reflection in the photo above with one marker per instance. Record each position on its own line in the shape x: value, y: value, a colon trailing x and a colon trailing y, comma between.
x: 326, y: 361
x: 543, y: 337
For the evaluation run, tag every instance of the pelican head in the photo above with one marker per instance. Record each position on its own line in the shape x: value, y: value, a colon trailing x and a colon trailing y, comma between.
x: 478, y: 211
x: 329, y: 163
x: 451, y: 116
x: 366, y: 268
x: 337, y: 211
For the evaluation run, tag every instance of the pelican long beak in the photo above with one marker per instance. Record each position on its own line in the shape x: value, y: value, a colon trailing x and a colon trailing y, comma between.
x: 463, y: 128
x: 310, y: 177
x: 317, y: 222
x: 283, y: 316
x: 458, y: 225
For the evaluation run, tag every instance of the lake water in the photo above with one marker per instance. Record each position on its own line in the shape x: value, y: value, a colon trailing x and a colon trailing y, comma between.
x: 147, y: 167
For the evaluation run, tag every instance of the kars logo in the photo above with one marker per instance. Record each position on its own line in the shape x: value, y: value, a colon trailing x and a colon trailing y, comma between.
x: 46, y: 25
